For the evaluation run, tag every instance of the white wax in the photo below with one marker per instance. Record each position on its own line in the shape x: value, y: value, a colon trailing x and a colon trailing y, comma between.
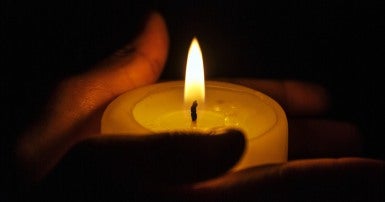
x: 160, y: 107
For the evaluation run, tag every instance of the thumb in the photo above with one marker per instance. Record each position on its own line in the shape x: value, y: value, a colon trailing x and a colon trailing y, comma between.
x: 136, y: 64
x: 146, y: 161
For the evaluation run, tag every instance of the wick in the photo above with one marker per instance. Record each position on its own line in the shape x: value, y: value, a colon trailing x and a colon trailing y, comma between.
x: 193, y: 108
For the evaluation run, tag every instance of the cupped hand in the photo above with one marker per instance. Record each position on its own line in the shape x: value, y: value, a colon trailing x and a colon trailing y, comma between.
x: 324, y: 155
x: 326, y: 161
x: 75, y: 109
x: 67, y: 137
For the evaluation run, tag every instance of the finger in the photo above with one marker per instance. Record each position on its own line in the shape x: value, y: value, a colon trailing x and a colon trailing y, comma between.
x: 311, y: 138
x: 79, y: 96
x: 74, y: 111
x: 297, y: 98
x: 138, y: 63
x: 346, y: 179
x: 138, y: 161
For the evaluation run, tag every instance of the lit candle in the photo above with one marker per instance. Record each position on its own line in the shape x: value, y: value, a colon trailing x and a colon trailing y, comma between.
x: 172, y: 106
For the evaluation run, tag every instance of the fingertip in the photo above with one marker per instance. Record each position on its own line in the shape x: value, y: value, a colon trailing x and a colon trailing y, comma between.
x: 156, y: 30
x: 137, y: 63
x: 231, y: 134
x: 304, y: 97
x: 232, y: 144
x: 152, y: 45
x: 208, y: 154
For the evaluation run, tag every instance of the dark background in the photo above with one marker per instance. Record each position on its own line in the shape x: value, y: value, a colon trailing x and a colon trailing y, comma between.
x: 335, y: 43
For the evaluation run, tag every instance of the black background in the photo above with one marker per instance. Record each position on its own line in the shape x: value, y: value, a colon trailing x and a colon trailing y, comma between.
x: 335, y: 43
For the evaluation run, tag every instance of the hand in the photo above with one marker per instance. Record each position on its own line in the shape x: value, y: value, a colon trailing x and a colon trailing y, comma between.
x: 325, y: 162
x: 66, y: 142
x: 70, y: 127
x: 74, y: 112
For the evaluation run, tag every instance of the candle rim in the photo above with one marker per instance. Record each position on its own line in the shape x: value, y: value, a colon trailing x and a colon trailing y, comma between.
x: 279, y: 113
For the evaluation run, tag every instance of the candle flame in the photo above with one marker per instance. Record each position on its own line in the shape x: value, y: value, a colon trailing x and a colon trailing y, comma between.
x: 194, y: 86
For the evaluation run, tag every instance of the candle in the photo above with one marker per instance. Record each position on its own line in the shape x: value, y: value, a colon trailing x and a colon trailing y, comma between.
x: 173, y: 106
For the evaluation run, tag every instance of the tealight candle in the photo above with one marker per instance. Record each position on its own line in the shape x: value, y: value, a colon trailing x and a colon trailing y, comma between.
x: 172, y: 106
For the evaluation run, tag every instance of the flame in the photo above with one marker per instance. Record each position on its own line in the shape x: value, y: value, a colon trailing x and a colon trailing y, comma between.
x: 194, y: 86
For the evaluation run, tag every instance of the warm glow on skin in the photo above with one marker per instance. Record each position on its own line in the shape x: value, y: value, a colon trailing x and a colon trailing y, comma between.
x: 194, y: 88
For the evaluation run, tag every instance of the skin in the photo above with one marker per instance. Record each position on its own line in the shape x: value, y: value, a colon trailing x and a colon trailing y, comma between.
x: 325, y: 161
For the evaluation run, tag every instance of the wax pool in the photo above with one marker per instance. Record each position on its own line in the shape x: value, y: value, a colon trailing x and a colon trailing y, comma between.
x: 160, y: 107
